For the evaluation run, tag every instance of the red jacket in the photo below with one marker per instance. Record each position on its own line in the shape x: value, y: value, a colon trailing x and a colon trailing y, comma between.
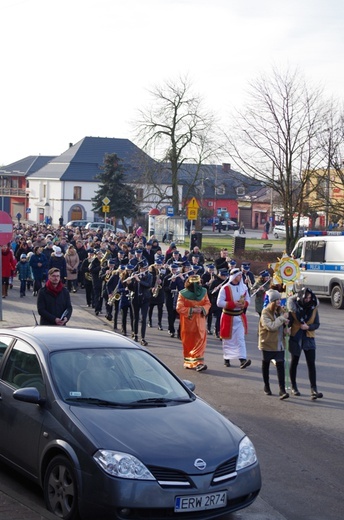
x: 8, y: 263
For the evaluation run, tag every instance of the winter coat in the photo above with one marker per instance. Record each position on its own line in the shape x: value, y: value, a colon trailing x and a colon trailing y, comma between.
x: 270, y: 335
x: 38, y: 271
x: 60, y: 263
x: 299, y: 313
x: 51, y: 307
x: 72, y: 264
x: 8, y: 263
x: 23, y: 269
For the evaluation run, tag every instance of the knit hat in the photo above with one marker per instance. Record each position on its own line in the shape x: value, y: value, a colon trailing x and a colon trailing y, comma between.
x: 57, y: 250
x: 273, y: 295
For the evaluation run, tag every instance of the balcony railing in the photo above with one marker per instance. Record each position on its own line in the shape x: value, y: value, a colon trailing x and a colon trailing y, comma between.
x: 12, y: 192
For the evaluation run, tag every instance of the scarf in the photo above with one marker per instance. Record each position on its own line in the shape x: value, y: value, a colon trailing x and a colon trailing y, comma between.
x: 54, y: 290
x: 197, y: 292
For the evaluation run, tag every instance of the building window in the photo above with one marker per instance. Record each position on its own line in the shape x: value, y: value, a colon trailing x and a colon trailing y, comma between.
x: 77, y: 193
x: 240, y: 191
x: 220, y: 190
x: 139, y: 194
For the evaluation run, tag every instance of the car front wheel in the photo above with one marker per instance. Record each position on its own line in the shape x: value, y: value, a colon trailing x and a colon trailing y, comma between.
x: 60, y: 489
x: 337, y: 297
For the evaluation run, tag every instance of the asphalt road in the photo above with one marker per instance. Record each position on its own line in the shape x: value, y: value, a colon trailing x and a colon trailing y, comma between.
x: 300, y: 443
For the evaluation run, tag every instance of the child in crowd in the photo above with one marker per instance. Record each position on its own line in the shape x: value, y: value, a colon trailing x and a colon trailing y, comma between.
x: 23, y: 270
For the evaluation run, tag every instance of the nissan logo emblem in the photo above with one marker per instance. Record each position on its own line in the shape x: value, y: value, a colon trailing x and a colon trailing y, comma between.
x: 200, y: 464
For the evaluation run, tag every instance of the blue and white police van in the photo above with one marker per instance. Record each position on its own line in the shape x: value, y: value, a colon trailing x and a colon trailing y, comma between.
x: 321, y: 258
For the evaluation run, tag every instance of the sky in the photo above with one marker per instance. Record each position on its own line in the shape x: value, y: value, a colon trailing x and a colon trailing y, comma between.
x: 76, y: 68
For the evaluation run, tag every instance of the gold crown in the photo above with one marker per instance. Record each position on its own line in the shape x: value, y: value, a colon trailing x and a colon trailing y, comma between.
x: 194, y: 278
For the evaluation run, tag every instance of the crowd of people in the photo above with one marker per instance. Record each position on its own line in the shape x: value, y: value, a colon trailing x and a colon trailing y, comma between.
x: 126, y: 276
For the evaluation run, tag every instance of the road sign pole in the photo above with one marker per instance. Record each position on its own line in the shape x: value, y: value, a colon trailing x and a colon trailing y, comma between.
x: 1, y: 283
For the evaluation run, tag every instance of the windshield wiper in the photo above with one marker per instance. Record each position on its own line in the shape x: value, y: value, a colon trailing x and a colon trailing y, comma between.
x: 159, y: 401
x: 95, y: 400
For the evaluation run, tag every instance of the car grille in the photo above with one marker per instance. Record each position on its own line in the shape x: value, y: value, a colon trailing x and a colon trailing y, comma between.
x: 167, y: 477
x: 170, y: 477
x: 225, y: 472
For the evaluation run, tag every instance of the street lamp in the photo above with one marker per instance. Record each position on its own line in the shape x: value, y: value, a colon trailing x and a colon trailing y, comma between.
x: 214, y: 201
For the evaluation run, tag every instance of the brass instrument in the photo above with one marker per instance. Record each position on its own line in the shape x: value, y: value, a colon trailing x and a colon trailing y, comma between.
x: 114, y: 297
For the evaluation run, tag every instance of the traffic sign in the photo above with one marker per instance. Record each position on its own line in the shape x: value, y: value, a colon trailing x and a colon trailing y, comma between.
x: 193, y: 203
x: 6, y: 228
x: 105, y: 209
x: 106, y: 201
x: 170, y: 211
x: 192, y: 213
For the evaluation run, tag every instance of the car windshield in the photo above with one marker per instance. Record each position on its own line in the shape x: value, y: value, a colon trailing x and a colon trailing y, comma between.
x: 115, y: 377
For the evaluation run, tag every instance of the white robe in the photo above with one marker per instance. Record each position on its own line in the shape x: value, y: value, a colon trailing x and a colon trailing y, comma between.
x: 234, y: 348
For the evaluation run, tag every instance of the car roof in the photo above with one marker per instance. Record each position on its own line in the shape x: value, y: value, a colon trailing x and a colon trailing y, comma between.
x: 62, y: 338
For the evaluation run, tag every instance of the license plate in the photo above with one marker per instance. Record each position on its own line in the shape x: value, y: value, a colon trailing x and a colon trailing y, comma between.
x: 200, y: 502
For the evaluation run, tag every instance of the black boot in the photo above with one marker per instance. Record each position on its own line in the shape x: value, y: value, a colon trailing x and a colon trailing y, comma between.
x: 315, y: 394
x: 281, y: 380
x: 294, y: 390
x: 265, y: 373
x: 227, y: 362
x: 244, y: 363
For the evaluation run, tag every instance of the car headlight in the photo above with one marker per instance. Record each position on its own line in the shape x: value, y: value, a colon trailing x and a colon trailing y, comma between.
x: 247, y: 454
x: 122, y: 465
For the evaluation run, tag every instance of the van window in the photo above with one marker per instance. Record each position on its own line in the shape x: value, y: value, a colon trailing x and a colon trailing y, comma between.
x: 315, y: 251
x: 297, y: 252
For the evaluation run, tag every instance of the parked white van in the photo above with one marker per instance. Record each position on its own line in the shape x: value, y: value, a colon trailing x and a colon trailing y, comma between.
x: 321, y: 257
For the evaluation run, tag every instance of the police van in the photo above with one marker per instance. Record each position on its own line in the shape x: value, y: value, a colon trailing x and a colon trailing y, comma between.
x: 321, y: 257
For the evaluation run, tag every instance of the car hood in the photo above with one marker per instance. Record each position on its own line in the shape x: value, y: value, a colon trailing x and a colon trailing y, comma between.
x: 170, y: 435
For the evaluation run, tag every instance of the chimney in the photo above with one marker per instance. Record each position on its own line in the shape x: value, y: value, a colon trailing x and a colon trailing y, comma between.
x: 70, y: 145
x: 226, y: 167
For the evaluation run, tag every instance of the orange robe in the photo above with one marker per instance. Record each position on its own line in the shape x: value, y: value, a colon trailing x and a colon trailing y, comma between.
x: 193, y: 330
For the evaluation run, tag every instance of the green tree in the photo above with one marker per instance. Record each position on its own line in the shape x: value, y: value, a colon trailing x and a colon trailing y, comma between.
x: 113, y: 186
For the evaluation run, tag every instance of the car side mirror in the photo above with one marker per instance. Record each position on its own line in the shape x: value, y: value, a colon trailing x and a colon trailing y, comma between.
x: 191, y: 386
x: 28, y: 395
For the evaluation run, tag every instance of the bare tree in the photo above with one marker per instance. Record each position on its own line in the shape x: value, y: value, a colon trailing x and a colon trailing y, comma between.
x: 330, y: 179
x: 177, y: 130
x: 274, y: 139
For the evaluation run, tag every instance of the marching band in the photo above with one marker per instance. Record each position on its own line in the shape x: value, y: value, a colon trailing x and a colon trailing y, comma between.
x: 129, y: 285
